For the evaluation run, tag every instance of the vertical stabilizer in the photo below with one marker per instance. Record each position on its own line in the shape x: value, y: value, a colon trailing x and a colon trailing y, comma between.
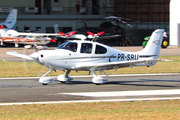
x: 56, y: 29
x: 11, y: 19
x: 152, y: 49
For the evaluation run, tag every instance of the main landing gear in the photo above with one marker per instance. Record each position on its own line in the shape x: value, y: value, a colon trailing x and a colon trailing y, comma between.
x: 97, y: 79
x: 62, y: 78
x: 65, y: 78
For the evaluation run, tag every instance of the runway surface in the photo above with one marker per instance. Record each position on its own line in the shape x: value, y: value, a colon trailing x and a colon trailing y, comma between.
x: 121, y: 87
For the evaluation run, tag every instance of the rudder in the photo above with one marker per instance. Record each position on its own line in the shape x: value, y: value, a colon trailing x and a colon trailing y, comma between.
x: 11, y: 19
x: 152, y: 49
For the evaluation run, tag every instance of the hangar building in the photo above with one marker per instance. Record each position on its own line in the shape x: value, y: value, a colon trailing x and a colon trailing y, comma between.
x: 143, y: 15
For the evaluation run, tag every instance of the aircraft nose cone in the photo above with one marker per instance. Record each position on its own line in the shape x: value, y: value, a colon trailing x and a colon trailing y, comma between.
x: 34, y: 55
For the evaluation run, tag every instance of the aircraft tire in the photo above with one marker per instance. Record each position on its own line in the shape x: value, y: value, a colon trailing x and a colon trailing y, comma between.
x: 44, y: 84
x: 4, y: 45
x: 98, y: 83
x: 62, y: 81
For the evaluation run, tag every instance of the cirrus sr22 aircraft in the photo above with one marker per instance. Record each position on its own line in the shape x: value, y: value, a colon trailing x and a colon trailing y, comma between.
x: 93, y: 56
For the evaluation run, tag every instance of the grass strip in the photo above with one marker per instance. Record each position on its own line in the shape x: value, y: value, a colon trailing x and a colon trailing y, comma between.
x: 144, y: 110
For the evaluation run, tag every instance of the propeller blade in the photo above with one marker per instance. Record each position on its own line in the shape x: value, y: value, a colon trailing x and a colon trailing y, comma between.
x: 53, y: 40
x: 100, y: 33
x: 90, y: 33
x: 71, y: 33
x: 61, y: 33
x: 124, y: 22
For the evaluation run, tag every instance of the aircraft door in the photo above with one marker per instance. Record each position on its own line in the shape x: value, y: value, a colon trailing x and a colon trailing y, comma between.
x: 86, y: 48
x: 85, y: 53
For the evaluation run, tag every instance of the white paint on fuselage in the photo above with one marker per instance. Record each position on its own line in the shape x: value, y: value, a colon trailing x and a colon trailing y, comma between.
x: 67, y: 59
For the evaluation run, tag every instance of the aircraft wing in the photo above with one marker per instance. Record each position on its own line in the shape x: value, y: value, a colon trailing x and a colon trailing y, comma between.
x: 110, y: 65
x: 34, y: 34
x: 19, y: 55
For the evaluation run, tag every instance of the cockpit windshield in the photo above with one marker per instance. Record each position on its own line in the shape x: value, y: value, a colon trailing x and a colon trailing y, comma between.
x: 72, y: 46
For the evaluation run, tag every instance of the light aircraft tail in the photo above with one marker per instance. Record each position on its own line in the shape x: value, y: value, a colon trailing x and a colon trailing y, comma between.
x: 11, y: 19
x: 56, y: 29
x: 152, y: 49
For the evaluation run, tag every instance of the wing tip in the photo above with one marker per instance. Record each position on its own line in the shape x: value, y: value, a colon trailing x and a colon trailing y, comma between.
x: 11, y: 53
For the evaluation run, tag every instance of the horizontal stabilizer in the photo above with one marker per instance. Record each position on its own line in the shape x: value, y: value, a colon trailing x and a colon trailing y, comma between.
x: 19, y: 55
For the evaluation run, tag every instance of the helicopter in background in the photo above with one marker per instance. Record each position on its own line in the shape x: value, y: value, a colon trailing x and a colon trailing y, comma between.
x: 110, y: 27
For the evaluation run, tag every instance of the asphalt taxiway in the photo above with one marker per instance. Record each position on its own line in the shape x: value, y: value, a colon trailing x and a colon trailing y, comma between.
x: 119, y: 87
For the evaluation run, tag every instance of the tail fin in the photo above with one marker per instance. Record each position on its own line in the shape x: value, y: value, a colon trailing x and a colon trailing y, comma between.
x: 152, y: 49
x: 56, y: 29
x: 11, y: 19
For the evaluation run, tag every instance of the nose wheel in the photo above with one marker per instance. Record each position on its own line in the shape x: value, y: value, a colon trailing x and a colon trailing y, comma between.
x: 45, y: 80
x: 44, y: 84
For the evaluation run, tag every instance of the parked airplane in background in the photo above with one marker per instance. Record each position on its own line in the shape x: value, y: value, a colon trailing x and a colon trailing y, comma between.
x: 30, y: 39
x: 10, y: 22
x: 93, y: 56
x: 9, y: 26
x: 11, y: 19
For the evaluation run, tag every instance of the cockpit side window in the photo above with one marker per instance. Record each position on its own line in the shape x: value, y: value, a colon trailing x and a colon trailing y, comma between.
x: 29, y: 37
x: 38, y: 37
x: 86, y: 48
x: 100, y: 50
x: 72, y: 46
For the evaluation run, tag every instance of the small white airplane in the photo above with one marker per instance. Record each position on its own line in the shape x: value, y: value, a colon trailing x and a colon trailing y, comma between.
x: 93, y: 56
